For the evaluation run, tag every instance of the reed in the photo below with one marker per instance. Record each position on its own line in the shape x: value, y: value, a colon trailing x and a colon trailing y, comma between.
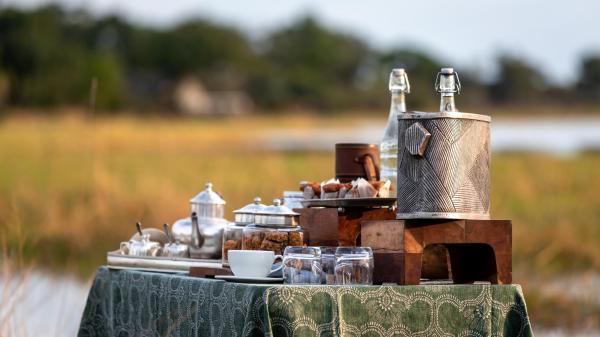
x: 14, y: 273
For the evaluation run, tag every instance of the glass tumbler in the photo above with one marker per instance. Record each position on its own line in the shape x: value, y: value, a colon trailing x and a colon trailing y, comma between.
x: 302, y: 265
x: 328, y: 265
x: 353, y: 265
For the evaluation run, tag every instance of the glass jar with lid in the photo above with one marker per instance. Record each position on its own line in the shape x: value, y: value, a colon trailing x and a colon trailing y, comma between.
x: 274, y: 228
x: 233, y: 235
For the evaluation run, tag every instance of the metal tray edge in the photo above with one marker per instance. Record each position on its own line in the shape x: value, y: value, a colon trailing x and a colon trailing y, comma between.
x: 118, y: 261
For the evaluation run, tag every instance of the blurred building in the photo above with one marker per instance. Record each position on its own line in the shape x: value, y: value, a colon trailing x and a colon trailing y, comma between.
x: 191, y: 98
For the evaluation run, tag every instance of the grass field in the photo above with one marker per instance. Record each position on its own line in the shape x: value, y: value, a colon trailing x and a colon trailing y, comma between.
x: 72, y: 189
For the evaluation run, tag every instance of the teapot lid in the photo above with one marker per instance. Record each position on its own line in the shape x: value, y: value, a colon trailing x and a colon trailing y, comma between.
x: 208, y: 196
x: 277, y: 215
x: 252, y: 208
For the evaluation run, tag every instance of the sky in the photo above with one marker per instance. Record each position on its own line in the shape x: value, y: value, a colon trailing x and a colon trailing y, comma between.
x: 551, y: 35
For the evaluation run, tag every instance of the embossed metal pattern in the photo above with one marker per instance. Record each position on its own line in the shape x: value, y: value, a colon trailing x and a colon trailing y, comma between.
x: 452, y: 178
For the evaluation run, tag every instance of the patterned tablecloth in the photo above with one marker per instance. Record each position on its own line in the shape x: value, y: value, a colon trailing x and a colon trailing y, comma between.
x: 133, y: 303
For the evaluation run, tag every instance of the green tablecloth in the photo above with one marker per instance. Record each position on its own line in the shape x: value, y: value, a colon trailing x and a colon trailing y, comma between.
x: 133, y: 303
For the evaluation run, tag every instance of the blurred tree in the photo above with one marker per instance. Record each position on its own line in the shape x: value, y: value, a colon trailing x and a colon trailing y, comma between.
x: 43, y: 65
x: 311, y: 66
x: 4, y: 88
x: 105, y: 68
x: 202, y: 47
x: 421, y: 70
x: 517, y: 83
x: 49, y: 56
x: 156, y: 59
x: 588, y: 84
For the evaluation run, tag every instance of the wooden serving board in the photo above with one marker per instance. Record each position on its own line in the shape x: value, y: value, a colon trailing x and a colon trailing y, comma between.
x: 354, y: 202
x: 209, y: 272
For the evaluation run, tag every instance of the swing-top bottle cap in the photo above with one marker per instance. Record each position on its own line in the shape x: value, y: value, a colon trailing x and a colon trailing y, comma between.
x: 399, y: 80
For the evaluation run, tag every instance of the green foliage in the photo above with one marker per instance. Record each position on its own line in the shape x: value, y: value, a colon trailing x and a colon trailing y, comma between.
x: 312, y: 66
x: 518, y: 82
x: 45, y: 65
x: 421, y: 70
x: 49, y: 57
x: 4, y: 86
x: 106, y: 70
x: 589, y: 78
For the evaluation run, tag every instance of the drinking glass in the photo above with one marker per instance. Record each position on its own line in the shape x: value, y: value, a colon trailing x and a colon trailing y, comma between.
x: 302, y: 265
x: 353, y: 265
x: 328, y: 265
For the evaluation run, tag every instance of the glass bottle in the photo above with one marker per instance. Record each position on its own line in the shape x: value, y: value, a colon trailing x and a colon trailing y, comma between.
x: 447, y: 83
x: 388, y: 149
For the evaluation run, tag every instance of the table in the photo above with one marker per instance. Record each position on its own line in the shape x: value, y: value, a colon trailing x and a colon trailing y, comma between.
x: 135, y: 303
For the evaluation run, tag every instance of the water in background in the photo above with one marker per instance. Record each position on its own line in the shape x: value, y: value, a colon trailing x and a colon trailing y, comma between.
x: 559, y: 136
x: 39, y: 304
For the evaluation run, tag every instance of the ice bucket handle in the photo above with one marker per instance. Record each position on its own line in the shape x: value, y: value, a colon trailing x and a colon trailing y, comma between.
x: 416, y: 139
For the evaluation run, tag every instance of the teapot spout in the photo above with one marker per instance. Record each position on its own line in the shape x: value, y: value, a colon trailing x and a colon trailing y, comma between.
x: 197, y: 240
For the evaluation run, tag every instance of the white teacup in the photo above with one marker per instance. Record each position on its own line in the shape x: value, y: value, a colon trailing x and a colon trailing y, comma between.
x: 252, y: 263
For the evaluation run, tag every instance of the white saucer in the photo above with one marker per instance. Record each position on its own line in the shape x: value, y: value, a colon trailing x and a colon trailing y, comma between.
x: 231, y: 278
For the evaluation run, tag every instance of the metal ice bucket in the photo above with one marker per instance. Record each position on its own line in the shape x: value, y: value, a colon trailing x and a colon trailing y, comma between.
x: 443, y: 165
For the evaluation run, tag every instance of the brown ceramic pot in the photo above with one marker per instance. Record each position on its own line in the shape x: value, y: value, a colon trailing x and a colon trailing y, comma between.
x: 356, y: 160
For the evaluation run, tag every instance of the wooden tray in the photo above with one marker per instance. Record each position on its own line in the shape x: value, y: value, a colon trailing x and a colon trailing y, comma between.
x: 355, y: 202
x: 116, y: 260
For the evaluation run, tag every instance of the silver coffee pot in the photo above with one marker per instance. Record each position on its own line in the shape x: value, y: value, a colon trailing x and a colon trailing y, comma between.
x: 203, y: 232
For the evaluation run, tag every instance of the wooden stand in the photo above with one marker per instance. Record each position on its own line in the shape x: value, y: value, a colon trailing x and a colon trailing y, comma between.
x: 406, y: 251
x: 209, y: 272
x: 477, y: 250
x: 339, y: 227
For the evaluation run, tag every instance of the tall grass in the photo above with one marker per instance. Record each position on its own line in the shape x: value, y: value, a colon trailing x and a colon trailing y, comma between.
x: 77, y: 187
x: 14, y: 272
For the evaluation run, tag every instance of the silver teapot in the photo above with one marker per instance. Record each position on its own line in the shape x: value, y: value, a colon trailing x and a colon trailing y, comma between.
x: 203, y: 230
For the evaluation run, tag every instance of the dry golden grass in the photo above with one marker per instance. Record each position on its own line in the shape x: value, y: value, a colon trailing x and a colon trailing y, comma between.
x: 71, y: 188
x: 74, y: 188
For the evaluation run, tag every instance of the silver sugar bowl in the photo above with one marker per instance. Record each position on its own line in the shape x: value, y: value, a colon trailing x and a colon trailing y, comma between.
x: 174, y: 248
x: 233, y: 236
x: 141, y: 246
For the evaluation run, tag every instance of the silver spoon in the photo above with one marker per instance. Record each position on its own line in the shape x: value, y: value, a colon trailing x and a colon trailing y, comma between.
x: 138, y: 225
x: 168, y: 233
